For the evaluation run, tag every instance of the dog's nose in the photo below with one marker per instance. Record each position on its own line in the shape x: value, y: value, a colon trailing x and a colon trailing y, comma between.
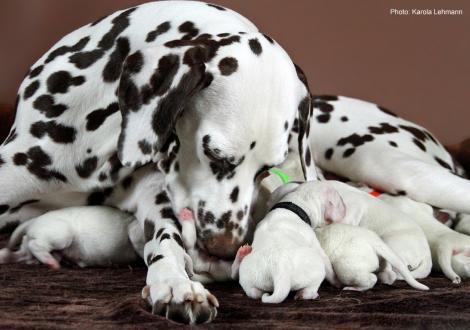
x: 221, y: 246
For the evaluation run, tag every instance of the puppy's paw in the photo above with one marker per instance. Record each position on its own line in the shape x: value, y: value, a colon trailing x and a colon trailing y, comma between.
x: 181, y: 300
x: 306, y: 294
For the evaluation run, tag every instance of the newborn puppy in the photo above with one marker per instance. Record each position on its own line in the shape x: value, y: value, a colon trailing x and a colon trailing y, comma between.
x: 285, y: 255
x: 87, y: 236
x: 334, y: 201
x: 357, y: 253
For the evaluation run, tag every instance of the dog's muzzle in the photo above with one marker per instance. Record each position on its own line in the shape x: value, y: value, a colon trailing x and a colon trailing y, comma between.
x: 221, y: 246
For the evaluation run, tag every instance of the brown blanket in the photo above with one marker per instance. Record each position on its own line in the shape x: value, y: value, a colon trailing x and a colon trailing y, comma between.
x: 74, y: 298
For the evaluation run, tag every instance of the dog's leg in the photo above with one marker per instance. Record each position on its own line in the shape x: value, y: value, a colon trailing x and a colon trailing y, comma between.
x: 169, y: 290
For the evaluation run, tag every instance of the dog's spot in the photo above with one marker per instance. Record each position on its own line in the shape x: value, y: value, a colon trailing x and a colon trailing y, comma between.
x: 46, y: 105
x: 149, y: 230
x: 135, y: 62
x: 162, y: 78
x: 286, y: 125
x: 223, y: 35
x: 401, y: 193
x: 228, y: 65
x: 234, y: 194
x: 102, y: 177
x: 224, y: 220
x: 162, y: 198
x: 67, y: 49
x: 88, y: 151
x: 120, y: 23
x: 97, y: 117
x: 22, y: 204
x: 255, y: 46
x: 216, y: 7
x: 36, y: 162
x: 355, y: 139
x: 127, y: 182
x: 31, y: 89
x: 145, y: 147
x: 153, y: 259
x: 419, y: 144
x: 36, y: 71
x: 325, y: 98
x: 252, y: 145
x: 160, y: 29
x: 83, y: 60
x: 268, y: 38
x: 167, y: 213
x: 322, y: 106
x: 176, y: 168
x: 308, y: 157
x: 57, y: 132
x: 61, y: 81
x: 115, y: 167
x: 344, y: 118
x: 393, y: 144
x: 189, y: 29
x: 323, y: 118
x: 384, y: 128
x: 388, y: 112
x: 99, y: 197
x: 348, y: 152
x: 240, y: 215
x: 1, y: 161
x: 129, y: 96
x: 443, y: 163
x: 112, y: 69
x: 178, y: 240
x: 4, y: 208
x: 85, y: 169
x: 159, y: 233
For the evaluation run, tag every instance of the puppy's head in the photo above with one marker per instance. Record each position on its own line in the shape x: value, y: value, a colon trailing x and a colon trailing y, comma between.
x: 214, y: 113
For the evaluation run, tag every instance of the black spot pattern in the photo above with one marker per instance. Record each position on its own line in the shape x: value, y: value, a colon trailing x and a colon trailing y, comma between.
x: 216, y: 7
x: 135, y: 62
x: 177, y: 239
x: 234, y: 194
x: 222, y: 167
x: 67, y: 49
x: 160, y: 29
x: 61, y: 81
x: 120, y: 23
x: 268, y: 38
x: 355, y: 140
x: 145, y: 147
x: 167, y: 213
x: 22, y: 204
x: 228, y: 65
x: 112, y: 69
x: 344, y: 118
x: 252, y: 145
x: 393, y: 144
x: 419, y: 144
x: 329, y: 153
x: 164, y: 237
x: 83, y: 60
x: 31, y: 89
x: 388, y: 112
x: 153, y: 259
x: 189, y: 29
x: 46, y: 105
x: 161, y: 79
x: 57, y: 132
x: 99, y: 197
x: 149, y: 230
x: 96, y: 118
x: 162, y: 198
x: 36, y: 162
x: 443, y: 163
x: 86, y: 169
x: 384, y: 128
x: 255, y: 46
x: 36, y: 71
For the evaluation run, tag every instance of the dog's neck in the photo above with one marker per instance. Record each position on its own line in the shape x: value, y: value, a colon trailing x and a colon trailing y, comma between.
x: 294, y: 208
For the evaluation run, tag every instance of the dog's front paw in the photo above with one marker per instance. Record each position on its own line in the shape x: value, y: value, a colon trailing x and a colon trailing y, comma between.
x: 181, y: 300
x: 451, y: 255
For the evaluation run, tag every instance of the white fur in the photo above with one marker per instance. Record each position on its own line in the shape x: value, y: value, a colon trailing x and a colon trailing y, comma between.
x: 87, y: 236
x: 357, y: 253
x: 286, y: 256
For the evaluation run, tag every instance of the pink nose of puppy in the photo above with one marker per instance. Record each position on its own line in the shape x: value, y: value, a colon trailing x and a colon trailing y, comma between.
x: 186, y: 214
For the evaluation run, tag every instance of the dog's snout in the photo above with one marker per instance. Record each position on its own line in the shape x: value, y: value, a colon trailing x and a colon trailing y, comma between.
x: 221, y: 246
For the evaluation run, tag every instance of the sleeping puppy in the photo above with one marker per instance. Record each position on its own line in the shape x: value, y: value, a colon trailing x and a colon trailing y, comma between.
x: 285, y: 255
x: 333, y: 201
x: 87, y: 236
x: 357, y: 253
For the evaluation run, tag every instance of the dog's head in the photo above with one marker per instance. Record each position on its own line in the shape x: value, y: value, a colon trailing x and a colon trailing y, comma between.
x: 214, y: 113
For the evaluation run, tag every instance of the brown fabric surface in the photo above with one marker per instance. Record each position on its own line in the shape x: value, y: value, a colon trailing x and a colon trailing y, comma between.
x: 6, y: 120
x: 74, y: 298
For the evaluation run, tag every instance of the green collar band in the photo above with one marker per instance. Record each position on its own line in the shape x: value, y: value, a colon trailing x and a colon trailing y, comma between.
x: 283, y: 176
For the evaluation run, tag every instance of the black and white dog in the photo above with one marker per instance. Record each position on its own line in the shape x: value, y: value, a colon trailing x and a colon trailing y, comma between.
x: 194, y: 91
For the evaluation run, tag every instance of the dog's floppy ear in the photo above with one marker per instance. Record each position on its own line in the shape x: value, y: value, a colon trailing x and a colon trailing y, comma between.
x: 304, y: 114
x: 335, y: 209
x: 156, y: 85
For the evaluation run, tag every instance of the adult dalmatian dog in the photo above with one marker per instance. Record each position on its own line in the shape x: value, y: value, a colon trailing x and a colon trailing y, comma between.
x: 196, y: 92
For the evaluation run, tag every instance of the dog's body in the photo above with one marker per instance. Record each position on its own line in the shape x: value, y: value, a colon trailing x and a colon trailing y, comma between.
x: 357, y: 253
x: 286, y: 256
x: 86, y: 236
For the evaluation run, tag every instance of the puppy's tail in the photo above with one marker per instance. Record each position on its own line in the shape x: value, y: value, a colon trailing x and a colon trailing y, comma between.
x: 281, y: 285
x: 17, y: 235
x: 385, y: 252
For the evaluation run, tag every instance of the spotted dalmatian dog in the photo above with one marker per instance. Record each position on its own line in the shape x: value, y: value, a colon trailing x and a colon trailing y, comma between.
x: 188, y: 89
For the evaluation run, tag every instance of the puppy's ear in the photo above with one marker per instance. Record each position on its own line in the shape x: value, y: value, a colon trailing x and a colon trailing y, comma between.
x: 156, y: 85
x: 302, y: 128
x: 335, y: 209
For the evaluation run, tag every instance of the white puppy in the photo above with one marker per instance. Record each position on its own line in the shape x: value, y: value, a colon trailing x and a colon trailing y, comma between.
x: 334, y: 201
x: 357, y: 253
x: 87, y: 236
x: 285, y: 255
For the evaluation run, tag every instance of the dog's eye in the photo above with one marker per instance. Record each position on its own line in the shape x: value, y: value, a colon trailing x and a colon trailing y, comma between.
x: 216, y: 156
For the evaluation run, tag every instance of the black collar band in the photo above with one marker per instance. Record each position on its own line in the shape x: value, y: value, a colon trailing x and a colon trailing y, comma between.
x: 295, y: 209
